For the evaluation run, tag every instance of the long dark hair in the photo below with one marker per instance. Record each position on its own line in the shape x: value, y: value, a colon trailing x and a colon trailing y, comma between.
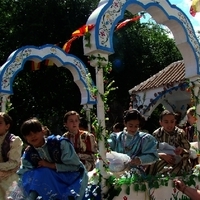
x: 134, y: 114
x: 31, y: 125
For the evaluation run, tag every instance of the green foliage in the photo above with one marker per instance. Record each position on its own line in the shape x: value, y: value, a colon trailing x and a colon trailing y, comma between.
x: 36, y: 22
x: 45, y: 94
x: 133, y: 181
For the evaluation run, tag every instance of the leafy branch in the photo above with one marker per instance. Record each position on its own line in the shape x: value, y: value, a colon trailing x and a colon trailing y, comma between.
x: 9, y: 105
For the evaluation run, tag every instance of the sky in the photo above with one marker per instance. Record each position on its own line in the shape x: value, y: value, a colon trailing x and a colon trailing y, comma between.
x: 185, y: 5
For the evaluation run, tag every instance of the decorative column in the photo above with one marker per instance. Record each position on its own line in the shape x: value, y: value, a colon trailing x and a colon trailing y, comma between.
x: 87, y: 108
x: 3, y: 103
x: 99, y: 61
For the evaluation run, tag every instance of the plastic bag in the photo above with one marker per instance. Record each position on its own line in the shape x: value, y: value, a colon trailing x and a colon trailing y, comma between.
x: 168, y: 149
x: 193, y: 153
x: 193, y: 150
x: 117, y: 161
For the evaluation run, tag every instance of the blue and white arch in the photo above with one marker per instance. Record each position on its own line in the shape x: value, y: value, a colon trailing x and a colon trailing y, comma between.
x: 15, y: 63
x: 109, y: 12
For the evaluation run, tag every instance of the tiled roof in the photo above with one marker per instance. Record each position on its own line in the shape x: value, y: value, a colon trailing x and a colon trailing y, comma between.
x: 173, y: 73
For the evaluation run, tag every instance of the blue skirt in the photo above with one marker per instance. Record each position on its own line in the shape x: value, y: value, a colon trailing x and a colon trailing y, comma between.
x: 52, y: 185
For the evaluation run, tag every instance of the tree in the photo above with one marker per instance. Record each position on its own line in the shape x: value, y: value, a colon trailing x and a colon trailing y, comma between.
x: 36, y: 22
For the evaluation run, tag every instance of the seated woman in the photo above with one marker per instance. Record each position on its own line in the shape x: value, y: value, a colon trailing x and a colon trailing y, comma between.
x: 50, y: 166
x: 140, y: 146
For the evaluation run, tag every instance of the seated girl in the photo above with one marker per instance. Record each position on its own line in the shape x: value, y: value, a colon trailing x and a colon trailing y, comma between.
x: 140, y: 146
x: 50, y: 167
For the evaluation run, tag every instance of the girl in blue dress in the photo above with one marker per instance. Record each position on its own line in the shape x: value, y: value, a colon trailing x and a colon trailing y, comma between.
x: 139, y: 146
x: 50, y: 167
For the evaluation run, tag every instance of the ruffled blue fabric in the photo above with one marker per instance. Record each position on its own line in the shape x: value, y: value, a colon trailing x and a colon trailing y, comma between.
x: 52, y: 185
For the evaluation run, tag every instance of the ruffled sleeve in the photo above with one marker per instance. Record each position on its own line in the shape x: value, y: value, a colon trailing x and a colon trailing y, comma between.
x: 112, y: 141
x: 70, y: 160
x: 149, y: 153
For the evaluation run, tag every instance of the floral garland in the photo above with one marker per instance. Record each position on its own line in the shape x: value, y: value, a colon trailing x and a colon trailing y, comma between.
x: 195, y: 101
x: 92, y: 190
x: 87, y: 38
x: 108, y: 85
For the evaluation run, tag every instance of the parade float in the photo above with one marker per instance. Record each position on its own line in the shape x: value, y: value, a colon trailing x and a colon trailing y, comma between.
x: 106, y: 17
x: 104, y: 183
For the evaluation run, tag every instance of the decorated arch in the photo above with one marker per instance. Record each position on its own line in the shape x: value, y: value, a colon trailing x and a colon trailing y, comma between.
x: 109, y: 12
x: 16, y: 60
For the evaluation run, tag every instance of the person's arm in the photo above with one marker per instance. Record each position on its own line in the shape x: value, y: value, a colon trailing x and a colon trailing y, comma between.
x: 88, y: 144
x: 70, y: 159
x: 169, y: 158
x: 183, y: 146
x: 149, y: 153
x: 25, y: 165
x: 92, y: 147
x: 192, y: 193
x: 14, y: 155
x: 44, y: 163
x: 112, y: 141
x: 89, y: 148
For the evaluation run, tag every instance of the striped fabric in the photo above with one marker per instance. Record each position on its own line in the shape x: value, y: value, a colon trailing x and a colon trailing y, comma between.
x: 85, y: 146
x: 176, y: 138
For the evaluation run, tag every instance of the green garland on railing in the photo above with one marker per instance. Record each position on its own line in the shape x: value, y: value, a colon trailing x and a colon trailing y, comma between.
x: 102, y: 63
x: 87, y: 38
x: 195, y: 100
x: 108, y: 86
x: 9, y: 105
x: 141, y: 183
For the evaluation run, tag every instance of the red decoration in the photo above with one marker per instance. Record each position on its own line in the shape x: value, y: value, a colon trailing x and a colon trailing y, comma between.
x: 81, y: 31
x: 122, y: 24
x: 68, y: 44
x: 49, y: 62
x: 35, y: 66
x: 76, y: 34
x: 192, y: 11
